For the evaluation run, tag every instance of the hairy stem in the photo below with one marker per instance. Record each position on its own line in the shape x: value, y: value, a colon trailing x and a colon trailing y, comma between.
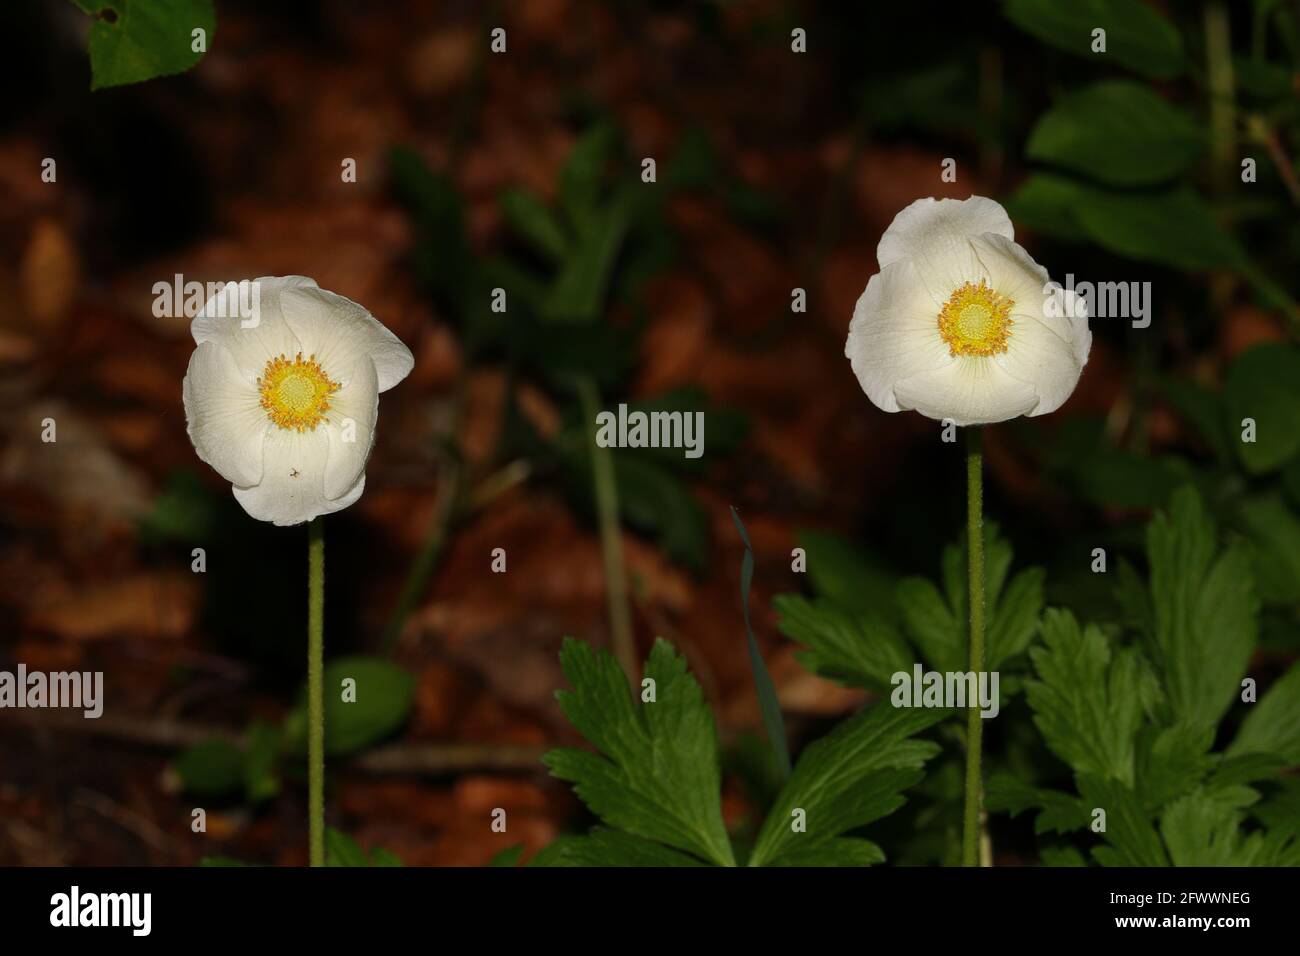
x: 970, y: 853
x: 316, y: 691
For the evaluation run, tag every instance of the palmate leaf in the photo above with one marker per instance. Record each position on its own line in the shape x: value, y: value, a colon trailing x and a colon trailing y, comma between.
x: 858, y: 633
x: 657, y: 774
x: 848, y: 779
x: 605, y: 847
x: 1088, y: 700
x: 1205, y: 611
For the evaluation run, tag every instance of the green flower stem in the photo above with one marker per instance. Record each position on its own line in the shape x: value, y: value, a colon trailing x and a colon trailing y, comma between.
x: 611, y: 541
x: 316, y: 691
x: 970, y: 844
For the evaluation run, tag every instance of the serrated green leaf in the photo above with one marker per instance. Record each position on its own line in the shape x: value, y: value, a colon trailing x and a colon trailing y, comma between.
x: 1171, y: 761
x: 1087, y: 702
x: 1204, y: 829
x: 1015, y: 617
x: 1263, y: 384
x: 1137, y: 36
x: 657, y: 774
x: 1272, y: 726
x: 1117, y: 132
x: 1132, y: 839
x: 849, y: 778
x: 862, y: 649
x: 1205, y: 611
x: 1060, y: 812
x: 604, y: 847
x: 143, y: 39
x: 931, y: 624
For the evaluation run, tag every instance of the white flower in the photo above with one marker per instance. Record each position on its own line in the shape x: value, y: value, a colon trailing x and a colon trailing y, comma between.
x: 284, y: 405
x: 960, y: 323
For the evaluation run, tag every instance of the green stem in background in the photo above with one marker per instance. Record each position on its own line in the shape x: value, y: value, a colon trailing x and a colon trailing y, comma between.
x: 316, y: 691
x: 1223, y: 106
x: 611, y: 541
x: 970, y: 844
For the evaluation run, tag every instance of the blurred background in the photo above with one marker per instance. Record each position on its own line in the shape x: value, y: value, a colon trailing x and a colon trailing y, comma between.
x: 775, y: 170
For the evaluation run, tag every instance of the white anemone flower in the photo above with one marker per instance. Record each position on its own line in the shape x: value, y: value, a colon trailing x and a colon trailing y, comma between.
x: 961, y: 324
x: 284, y: 404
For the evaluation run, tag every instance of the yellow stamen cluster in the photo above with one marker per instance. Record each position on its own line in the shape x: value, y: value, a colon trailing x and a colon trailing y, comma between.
x: 296, y: 395
x: 976, y: 321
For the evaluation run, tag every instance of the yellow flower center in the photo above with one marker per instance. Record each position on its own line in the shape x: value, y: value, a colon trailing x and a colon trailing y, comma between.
x: 296, y: 395
x: 976, y: 321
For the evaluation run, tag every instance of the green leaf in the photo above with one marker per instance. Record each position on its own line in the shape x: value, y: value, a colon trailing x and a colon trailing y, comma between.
x: 342, y: 850
x: 1137, y: 36
x: 768, y: 704
x: 1273, y: 530
x: 1272, y: 726
x: 383, y: 695
x: 529, y: 217
x: 1171, y: 761
x: 653, y: 499
x: 582, y: 178
x: 579, y: 291
x: 1200, y: 408
x: 845, y: 780
x: 603, y: 847
x: 1015, y: 617
x: 508, y: 857
x: 141, y: 39
x: 1205, y: 611
x: 1173, y: 227
x: 863, y: 649
x: 849, y: 576
x: 1204, y: 829
x: 211, y: 768
x: 1117, y: 132
x: 1061, y: 812
x: 1263, y: 384
x: 1132, y: 837
x: 261, y: 781
x: 931, y: 624
x: 657, y: 774
x: 1087, y: 702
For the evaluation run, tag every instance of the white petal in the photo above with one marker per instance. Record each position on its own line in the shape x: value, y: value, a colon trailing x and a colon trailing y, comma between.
x: 1012, y: 272
x: 1039, y: 357
x: 974, y: 390
x: 1050, y: 339
x: 339, y: 332
x: 292, y: 489
x: 936, y: 233
x: 354, y: 409
x: 254, y: 340
x: 223, y: 415
x: 894, y: 334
